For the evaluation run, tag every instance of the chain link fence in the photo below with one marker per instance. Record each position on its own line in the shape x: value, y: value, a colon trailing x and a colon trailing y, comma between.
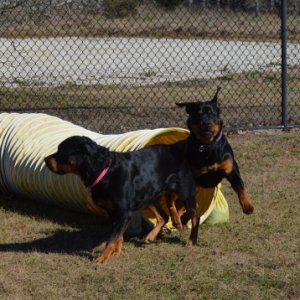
x: 120, y: 65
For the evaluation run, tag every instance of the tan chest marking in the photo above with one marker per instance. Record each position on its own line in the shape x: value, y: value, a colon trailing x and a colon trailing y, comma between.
x: 226, y: 166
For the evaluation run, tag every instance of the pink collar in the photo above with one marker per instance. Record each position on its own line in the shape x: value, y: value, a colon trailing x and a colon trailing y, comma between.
x: 100, y: 177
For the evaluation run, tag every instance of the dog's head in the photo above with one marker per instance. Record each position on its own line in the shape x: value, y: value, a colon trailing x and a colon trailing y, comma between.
x: 204, y: 120
x: 74, y: 155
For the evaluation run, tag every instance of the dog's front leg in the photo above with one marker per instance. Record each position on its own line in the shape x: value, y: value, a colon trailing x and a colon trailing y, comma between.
x: 114, y: 247
x: 244, y: 199
x: 115, y: 242
x: 238, y: 186
x: 195, y: 218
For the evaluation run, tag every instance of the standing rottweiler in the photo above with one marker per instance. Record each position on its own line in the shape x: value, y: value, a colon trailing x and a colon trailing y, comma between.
x: 209, y: 154
x: 125, y: 182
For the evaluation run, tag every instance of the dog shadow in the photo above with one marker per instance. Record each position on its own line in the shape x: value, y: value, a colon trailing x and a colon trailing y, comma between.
x: 74, y: 243
x: 140, y: 243
x: 83, y: 233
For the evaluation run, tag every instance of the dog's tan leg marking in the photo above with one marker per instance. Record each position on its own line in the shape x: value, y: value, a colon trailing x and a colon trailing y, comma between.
x: 174, y: 213
x: 181, y: 212
x: 112, y: 248
x: 160, y: 222
x: 119, y: 246
x: 244, y: 200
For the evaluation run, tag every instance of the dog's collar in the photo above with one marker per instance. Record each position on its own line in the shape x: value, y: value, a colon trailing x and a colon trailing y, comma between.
x: 202, y: 147
x: 101, y: 176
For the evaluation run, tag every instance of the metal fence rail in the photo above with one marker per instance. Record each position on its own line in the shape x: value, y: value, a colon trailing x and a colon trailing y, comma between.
x: 116, y: 65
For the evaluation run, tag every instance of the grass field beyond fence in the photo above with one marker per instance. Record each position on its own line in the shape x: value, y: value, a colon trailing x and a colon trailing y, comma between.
x: 48, y: 252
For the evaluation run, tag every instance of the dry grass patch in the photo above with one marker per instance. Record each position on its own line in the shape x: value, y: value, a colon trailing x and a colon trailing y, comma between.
x: 248, y: 99
x: 48, y: 252
x: 145, y: 21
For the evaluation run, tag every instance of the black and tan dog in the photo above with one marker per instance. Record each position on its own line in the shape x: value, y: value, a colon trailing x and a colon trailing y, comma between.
x: 125, y: 182
x: 209, y: 154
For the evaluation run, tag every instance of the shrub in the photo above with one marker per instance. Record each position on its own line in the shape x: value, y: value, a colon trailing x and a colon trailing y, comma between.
x: 169, y: 3
x: 119, y: 8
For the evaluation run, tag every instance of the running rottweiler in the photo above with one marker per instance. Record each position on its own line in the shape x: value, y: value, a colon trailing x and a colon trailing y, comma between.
x: 125, y: 182
x: 208, y: 151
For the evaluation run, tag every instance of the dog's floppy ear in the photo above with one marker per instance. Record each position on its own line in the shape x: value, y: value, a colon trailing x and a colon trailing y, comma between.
x: 215, y: 98
x: 190, y: 107
x: 87, y: 146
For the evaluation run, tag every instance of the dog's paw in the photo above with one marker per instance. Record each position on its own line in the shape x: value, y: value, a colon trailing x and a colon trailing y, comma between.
x: 245, y: 202
x: 248, y: 208
x: 112, y: 248
x: 189, y: 243
x: 101, y: 259
x: 177, y: 224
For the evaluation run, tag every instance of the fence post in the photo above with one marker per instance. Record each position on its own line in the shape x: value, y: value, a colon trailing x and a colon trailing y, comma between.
x: 284, y: 92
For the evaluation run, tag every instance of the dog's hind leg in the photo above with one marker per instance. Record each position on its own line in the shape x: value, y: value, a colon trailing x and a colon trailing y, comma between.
x: 192, y: 214
x: 175, y: 213
x: 161, y: 220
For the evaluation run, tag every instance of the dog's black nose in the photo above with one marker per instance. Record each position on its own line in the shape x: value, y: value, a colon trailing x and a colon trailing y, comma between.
x: 206, y: 123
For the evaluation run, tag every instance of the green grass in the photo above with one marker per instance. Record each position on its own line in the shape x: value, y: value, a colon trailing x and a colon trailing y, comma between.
x: 48, y: 252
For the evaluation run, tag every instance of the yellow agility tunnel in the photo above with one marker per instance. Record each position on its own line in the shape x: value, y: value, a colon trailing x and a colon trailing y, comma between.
x: 26, y: 139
